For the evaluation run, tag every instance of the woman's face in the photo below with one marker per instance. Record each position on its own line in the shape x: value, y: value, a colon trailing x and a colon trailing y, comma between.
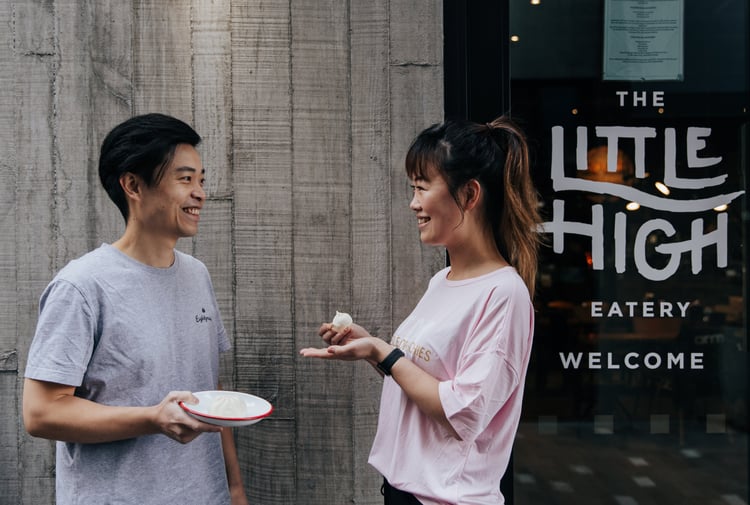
x: 438, y: 214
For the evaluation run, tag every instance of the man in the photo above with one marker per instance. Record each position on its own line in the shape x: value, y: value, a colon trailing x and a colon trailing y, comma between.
x: 126, y: 331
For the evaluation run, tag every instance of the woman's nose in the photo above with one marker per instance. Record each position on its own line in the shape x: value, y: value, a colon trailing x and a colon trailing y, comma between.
x: 414, y: 204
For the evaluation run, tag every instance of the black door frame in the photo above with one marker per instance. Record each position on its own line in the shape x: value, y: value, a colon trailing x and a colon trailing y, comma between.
x: 477, y: 80
x: 476, y: 59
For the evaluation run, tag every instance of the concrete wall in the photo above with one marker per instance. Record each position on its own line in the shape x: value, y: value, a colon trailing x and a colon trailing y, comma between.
x: 306, y: 108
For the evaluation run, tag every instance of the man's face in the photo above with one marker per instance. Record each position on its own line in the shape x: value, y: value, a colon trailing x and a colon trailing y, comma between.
x: 172, y: 207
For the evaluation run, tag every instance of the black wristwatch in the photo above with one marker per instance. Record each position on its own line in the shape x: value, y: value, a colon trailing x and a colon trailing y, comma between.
x: 386, y: 365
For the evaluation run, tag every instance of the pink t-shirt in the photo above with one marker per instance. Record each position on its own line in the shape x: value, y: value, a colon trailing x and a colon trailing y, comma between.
x: 475, y: 337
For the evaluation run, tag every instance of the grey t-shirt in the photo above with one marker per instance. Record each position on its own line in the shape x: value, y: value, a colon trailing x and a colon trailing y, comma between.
x: 124, y: 333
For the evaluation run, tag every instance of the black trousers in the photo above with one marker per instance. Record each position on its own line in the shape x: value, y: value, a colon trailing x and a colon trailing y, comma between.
x: 393, y: 496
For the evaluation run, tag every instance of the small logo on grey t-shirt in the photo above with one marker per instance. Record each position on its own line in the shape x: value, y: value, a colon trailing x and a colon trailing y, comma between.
x: 202, y: 317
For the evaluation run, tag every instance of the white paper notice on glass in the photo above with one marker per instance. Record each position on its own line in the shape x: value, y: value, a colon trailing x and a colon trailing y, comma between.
x: 643, y: 40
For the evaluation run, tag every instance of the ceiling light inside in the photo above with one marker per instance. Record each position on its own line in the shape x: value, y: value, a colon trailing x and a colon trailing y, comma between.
x: 663, y: 189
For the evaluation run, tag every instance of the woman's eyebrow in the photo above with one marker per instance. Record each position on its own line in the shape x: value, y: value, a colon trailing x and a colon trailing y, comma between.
x: 189, y: 169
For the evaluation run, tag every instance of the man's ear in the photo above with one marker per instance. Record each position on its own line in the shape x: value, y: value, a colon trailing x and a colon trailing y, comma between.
x: 131, y: 185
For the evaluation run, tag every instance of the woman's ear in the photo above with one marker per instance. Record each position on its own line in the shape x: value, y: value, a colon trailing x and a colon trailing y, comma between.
x: 472, y: 192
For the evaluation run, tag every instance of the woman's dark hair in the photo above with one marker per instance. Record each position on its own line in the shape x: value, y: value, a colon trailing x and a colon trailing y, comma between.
x: 143, y: 145
x: 496, y: 155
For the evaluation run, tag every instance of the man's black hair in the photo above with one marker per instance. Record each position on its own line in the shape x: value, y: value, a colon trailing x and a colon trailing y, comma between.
x: 143, y: 145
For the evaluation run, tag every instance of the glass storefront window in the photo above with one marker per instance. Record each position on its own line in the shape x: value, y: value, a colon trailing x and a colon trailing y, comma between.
x: 637, y: 114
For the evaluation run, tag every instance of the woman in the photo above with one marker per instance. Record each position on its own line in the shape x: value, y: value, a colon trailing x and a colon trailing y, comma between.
x: 454, y: 369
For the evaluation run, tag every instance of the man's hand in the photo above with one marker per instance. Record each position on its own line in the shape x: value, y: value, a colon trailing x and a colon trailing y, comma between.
x: 175, y: 423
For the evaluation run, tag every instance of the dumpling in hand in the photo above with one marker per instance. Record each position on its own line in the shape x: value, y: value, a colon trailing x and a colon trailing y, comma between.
x: 228, y: 406
x: 341, y: 320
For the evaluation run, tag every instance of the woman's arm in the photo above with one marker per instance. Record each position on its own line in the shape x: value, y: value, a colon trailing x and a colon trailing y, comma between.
x: 419, y: 386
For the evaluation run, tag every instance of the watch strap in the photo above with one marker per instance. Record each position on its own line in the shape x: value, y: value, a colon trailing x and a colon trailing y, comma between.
x: 386, y: 365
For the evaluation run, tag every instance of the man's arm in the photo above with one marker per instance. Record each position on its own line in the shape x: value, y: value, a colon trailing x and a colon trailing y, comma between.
x: 52, y: 411
x: 232, y: 464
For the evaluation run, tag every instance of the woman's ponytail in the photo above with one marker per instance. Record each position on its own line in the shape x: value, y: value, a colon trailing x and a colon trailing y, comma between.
x: 520, y: 213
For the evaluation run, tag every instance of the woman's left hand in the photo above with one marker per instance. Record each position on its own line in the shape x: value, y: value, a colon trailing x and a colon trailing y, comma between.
x: 354, y: 349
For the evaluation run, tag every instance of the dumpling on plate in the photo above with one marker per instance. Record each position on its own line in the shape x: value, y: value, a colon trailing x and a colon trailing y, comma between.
x: 227, y: 406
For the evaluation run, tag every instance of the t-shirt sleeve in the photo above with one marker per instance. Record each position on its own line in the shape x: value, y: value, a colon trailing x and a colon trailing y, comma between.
x: 64, y: 338
x: 490, y: 368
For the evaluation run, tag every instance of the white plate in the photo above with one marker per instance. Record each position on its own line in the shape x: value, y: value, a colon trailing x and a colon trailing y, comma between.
x: 257, y: 408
